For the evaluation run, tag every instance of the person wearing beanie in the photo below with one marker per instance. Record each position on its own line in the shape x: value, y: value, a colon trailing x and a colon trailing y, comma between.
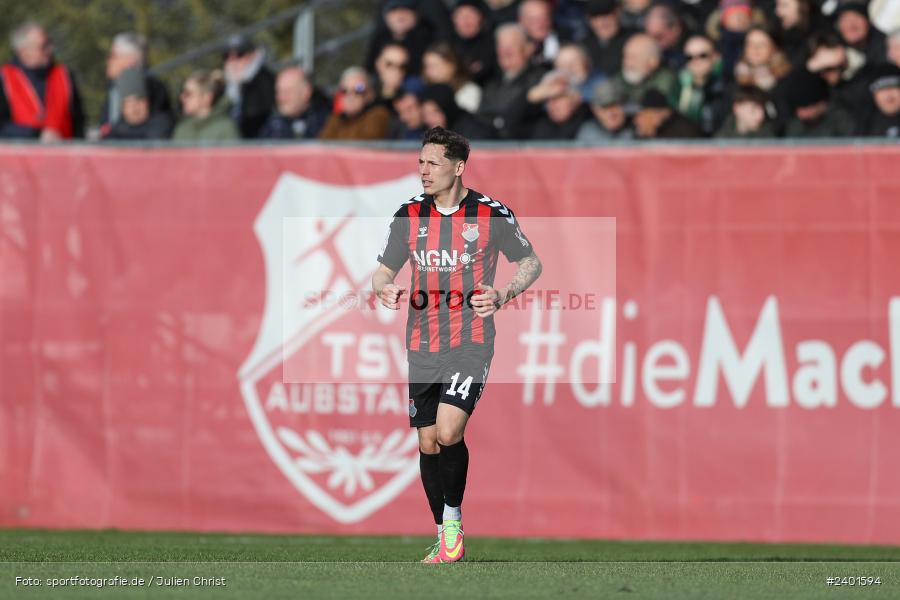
x: 810, y: 113
x: 656, y: 120
x: 851, y: 20
x: 439, y: 109
x: 885, y: 89
x: 137, y: 121
x: 749, y: 118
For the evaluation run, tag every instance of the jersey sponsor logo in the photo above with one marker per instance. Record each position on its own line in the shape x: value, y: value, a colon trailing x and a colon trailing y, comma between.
x: 337, y: 435
x: 436, y: 260
x: 470, y: 231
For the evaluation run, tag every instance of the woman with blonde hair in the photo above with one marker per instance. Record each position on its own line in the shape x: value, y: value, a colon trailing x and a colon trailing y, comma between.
x: 442, y: 65
x: 205, y: 110
x: 762, y: 63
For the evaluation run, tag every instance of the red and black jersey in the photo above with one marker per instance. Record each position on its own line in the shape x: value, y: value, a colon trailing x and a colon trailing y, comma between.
x: 448, y: 255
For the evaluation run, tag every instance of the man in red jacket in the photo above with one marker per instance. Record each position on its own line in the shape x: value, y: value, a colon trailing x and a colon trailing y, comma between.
x: 38, y: 97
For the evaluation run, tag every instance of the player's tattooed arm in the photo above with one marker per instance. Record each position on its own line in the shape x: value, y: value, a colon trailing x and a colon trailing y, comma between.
x: 489, y: 299
x: 529, y: 270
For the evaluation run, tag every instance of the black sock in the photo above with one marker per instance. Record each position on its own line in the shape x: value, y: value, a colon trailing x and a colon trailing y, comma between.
x: 429, y: 467
x: 454, y: 466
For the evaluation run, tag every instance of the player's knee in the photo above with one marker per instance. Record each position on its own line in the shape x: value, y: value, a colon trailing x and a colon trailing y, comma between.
x: 448, y: 437
x: 429, y: 446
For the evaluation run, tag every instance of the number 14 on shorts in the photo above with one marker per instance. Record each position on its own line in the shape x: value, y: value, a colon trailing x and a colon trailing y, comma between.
x: 463, y: 389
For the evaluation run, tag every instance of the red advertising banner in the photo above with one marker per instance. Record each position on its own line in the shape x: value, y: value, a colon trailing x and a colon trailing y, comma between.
x: 152, y: 302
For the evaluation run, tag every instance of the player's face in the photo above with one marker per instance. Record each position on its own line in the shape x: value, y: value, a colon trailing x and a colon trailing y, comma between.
x: 438, y: 173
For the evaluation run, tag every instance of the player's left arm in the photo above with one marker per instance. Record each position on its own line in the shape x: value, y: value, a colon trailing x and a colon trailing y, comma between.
x: 489, y: 299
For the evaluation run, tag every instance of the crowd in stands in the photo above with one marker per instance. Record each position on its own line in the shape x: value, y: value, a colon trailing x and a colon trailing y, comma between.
x: 589, y: 70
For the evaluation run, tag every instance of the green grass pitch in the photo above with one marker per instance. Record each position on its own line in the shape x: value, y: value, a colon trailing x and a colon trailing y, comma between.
x: 308, y: 566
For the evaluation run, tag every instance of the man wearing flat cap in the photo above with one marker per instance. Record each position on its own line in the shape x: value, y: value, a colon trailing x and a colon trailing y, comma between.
x: 610, y: 121
x: 885, y: 119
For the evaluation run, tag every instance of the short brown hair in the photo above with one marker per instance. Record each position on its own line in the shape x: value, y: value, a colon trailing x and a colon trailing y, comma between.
x: 456, y: 147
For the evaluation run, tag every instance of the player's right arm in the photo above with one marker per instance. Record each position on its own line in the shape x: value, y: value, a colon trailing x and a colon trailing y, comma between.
x: 390, y: 260
x: 385, y: 288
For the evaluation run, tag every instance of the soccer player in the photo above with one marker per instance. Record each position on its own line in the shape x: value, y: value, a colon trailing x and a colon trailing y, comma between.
x: 451, y: 236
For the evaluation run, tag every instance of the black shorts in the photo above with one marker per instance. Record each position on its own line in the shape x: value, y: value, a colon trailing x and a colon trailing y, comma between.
x: 456, y: 376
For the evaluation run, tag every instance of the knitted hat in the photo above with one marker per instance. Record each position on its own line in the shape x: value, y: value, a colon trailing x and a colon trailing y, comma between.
x: 131, y: 82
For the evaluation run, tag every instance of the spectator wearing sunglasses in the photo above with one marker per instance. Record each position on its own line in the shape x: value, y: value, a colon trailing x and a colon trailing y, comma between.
x: 391, y: 69
x: 250, y: 85
x: 358, y: 116
x: 701, y: 90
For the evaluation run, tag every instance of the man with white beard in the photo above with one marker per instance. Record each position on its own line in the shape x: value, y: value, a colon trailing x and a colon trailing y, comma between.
x: 641, y: 71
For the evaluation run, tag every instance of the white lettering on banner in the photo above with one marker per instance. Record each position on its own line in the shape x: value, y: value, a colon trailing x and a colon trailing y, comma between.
x: 375, y: 353
x: 653, y: 372
x: 815, y: 383
x: 764, y: 351
x: 859, y: 356
x: 335, y: 398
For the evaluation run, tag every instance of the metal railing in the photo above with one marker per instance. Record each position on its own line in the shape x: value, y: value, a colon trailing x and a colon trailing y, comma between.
x: 305, y: 49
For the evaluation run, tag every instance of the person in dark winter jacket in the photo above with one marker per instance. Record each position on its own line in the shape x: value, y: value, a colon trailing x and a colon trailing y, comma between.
x: 607, y: 37
x: 851, y: 19
x: 301, y: 108
x: 884, y: 121
x: 250, y: 85
x: 126, y: 51
x: 473, y: 39
x: 811, y: 113
x: 138, y: 119
x: 404, y: 26
x: 504, y: 100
